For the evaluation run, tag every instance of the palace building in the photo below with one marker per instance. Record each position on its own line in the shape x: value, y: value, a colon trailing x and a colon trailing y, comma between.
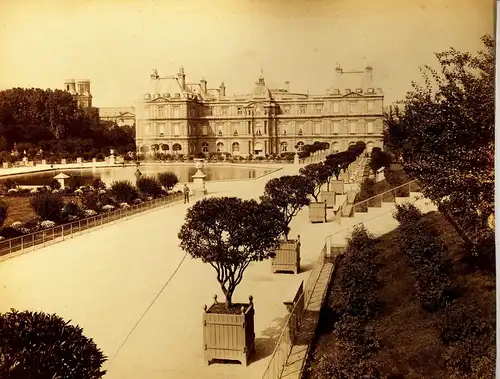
x: 80, y: 90
x: 179, y: 117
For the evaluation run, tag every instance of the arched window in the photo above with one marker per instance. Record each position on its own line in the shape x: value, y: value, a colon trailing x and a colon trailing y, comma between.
x: 284, y: 146
x: 369, y: 146
x: 164, y: 147
x: 236, y: 147
x: 336, y: 146
x: 176, y: 148
x: 144, y: 149
x: 204, y: 147
x: 300, y: 145
x: 220, y: 147
x: 327, y: 145
x: 155, y: 147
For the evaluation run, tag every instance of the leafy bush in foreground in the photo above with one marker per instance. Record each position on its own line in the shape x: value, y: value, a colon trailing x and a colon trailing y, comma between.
x: 149, y: 186
x: 168, y: 179
x: 39, y: 345
x: 124, y: 191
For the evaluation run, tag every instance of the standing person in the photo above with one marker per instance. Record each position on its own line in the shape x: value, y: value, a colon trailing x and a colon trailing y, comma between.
x: 186, y: 193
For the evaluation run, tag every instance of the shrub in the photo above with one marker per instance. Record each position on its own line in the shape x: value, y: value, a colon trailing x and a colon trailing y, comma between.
x: 98, y: 184
x: 10, y: 232
x: 168, y: 179
x: 54, y: 184
x: 4, y: 208
x: 48, y: 206
x: 124, y: 191
x: 47, y: 224
x: 149, y: 186
x: 75, y: 182
x: 367, y: 191
x: 8, y: 184
x: 407, y: 214
x: 39, y: 345
x: 71, y: 209
x: 99, y: 156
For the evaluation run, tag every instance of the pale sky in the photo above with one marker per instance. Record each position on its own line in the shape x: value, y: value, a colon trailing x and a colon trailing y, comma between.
x: 117, y: 43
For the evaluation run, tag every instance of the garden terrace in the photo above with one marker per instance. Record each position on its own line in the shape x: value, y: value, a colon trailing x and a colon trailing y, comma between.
x: 422, y: 355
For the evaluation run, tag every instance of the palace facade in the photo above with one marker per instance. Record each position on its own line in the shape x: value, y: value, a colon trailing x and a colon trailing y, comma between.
x: 178, y: 117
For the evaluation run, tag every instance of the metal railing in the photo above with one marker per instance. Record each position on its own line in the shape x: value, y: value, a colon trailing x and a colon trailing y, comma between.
x: 59, y: 233
x: 388, y: 194
x: 286, y: 339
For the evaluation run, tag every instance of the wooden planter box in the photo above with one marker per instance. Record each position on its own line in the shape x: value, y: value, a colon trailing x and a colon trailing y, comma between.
x: 287, y: 257
x: 229, y: 336
x: 328, y: 198
x: 317, y: 212
x: 337, y: 186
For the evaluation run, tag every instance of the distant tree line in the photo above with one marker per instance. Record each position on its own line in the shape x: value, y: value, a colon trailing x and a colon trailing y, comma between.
x: 47, y: 123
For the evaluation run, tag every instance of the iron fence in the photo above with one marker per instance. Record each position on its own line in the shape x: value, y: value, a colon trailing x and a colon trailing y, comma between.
x: 287, y: 337
x: 59, y: 233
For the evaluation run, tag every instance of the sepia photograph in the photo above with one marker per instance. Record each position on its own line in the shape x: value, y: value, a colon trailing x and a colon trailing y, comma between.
x: 233, y: 189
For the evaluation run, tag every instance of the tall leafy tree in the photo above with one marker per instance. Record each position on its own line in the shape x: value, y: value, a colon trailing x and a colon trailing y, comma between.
x: 289, y: 194
x: 317, y: 174
x: 229, y: 233
x: 444, y: 130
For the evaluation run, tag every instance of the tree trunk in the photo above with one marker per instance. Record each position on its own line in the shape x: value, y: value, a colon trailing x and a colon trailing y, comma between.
x: 229, y: 299
x: 328, y: 185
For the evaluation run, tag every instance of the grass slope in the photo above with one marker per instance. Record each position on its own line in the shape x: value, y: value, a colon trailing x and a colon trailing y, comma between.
x: 409, y: 337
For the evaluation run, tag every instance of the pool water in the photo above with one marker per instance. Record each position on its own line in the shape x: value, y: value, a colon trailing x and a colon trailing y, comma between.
x: 111, y: 174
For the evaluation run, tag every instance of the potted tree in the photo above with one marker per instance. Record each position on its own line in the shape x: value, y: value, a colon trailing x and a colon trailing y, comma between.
x: 316, y: 174
x: 230, y: 233
x: 335, y: 161
x: 289, y: 194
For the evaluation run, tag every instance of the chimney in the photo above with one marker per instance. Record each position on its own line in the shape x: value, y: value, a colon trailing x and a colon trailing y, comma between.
x: 182, y: 77
x: 203, y: 85
x: 287, y: 86
x: 222, y: 89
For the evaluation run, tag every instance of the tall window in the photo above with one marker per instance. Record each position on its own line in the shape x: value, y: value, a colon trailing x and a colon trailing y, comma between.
x: 204, y: 130
x: 285, y: 127
x: 286, y: 109
x: 284, y: 146
x: 319, y: 108
x: 220, y: 147
x: 336, y: 127
x: 300, y: 145
x: 352, y: 106
x: 161, y: 111
x: 235, y: 128
x: 224, y: 111
x: 336, y: 107
x: 236, y: 147
x: 219, y: 129
x: 147, y: 112
x: 239, y: 111
x: 317, y: 128
x: 302, y: 109
x: 300, y: 129
x: 176, y: 128
x: 204, y: 147
x: 161, y: 129
x: 369, y: 106
x: 175, y: 111
x: 369, y: 127
x: 352, y: 127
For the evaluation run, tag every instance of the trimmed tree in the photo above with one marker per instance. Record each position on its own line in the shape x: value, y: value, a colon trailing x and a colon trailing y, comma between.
x: 289, y: 195
x: 379, y: 159
x: 230, y: 233
x: 317, y: 174
x: 39, y: 345
x: 168, y: 179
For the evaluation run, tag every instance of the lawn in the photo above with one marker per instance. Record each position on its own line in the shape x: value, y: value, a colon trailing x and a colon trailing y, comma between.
x: 409, y: 337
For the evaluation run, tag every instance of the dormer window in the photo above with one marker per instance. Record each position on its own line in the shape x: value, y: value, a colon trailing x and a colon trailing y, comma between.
x: 359, y: 90
x: 371, y: 90
x: 347, y: 90
x: 161, y: 135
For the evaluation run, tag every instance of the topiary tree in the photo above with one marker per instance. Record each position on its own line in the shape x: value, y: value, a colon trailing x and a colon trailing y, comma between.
x: 39, y: 345
x: 4, y: 208
x: 289, y: 195
x: 149, y: 186
x: 168, y: 179
x: 317, y: 174
x: 230, y: 233
x: 48, y: 206
x: 379, y: 159
x: 124, y: 191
